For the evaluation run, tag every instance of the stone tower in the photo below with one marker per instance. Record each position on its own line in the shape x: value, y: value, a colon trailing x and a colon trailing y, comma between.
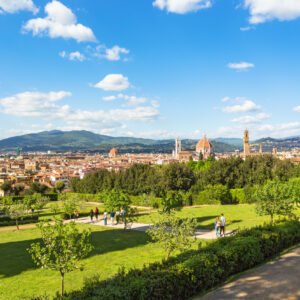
x: 177, y: 147
x: 246, y: 143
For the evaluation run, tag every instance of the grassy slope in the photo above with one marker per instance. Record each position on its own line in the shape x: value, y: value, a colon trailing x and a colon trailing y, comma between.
x: 113, y: 249
x: 238, y: 216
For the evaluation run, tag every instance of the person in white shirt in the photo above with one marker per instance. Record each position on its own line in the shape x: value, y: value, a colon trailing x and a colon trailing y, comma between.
x: 222, y: 225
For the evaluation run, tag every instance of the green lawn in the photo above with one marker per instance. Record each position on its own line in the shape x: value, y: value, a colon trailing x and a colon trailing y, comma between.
x: 237, y: 216
x: 113, y: 249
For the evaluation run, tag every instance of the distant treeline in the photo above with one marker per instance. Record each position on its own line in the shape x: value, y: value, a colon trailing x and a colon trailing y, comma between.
x: 192, y: 177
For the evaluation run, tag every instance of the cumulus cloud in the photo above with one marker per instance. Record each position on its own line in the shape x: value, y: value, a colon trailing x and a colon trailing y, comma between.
x: 241, y: 66
x: 46, y: 105
x: 14, y: 6
x: 297, y: 109
x: 266, y: 10
x: 182, y: 6
x: 241, y: 105
x: 34, y: 104
x: 73, y: 56
x: 60, y: 22
x: 115, y: 53
x: 113, y: 82
x: 251, y: 119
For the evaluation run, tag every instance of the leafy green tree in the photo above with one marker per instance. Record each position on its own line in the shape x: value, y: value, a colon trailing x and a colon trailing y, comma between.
x: 39, y: 188
x: 18, y: 189
x: 294, y: 185
x: 177, y: 177
x: 116, y: 200
x: 274, y: 198
x: 16, y: 211
x: 172, y: 200
x: 70, y: 204
x: 60, y: 186
x: 7, y: 187
x: 61, y: 249
x: 173, y: 233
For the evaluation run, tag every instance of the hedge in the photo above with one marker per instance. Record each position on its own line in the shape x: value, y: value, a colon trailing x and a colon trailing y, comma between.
x: 7, y: 221
x: 195, y: 271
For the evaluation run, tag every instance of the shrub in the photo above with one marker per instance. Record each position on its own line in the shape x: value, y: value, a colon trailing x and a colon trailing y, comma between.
x: 195, y: 271
x: 238, y: 195
x: 7, y: 221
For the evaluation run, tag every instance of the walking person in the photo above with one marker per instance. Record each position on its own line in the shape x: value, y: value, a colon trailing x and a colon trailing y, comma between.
x: 97, y: 213
x: 217, y: 226
x: 112, y: 217
x: 92, y: 215
x: 105, y: 218
x: 222, y: 225
x: 118, y: 217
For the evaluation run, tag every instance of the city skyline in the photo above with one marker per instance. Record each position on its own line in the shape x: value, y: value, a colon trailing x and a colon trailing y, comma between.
x: 174, y: 68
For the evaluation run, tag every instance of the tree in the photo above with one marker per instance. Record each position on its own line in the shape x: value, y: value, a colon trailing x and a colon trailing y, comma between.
x: 18, y: 189
x: 70, y: 204
x: 16, y: 211
x: 39, y: 188
x: 173, y: 233
x: 60, y: 186
x: 172, y: 200
x: 116, y: 200
x: 274, y: 198
x: 61, y: 249
x: 6, y: 187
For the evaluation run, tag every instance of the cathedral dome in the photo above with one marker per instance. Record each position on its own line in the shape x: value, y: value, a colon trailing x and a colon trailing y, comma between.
x: 204, y: 146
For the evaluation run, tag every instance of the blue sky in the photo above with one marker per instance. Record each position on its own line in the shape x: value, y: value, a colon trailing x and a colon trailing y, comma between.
x: 150, y: 68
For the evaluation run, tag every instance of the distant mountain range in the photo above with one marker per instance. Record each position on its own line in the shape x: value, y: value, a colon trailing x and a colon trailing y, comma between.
x: 88, y: 141
x: 57, y: 140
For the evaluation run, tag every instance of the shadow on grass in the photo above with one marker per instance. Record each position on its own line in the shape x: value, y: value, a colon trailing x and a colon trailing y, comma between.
x: 15, y: 259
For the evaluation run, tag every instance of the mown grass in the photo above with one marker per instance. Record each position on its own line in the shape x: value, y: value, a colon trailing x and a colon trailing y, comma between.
x: 237, y: 216
x: 113, y: 249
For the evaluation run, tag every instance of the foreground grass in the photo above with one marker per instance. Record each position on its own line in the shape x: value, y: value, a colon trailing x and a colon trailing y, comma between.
x: 113, y: 249
x: 237, y: 216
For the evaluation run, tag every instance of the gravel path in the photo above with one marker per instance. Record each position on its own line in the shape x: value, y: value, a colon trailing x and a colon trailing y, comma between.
x: 276, y: 280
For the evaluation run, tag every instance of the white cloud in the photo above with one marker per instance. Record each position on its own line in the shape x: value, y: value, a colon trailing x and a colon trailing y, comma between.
x: 266, y: 10
x: 182, y: 6
x: 34, y: 104
x: 14, y: 6
x: 241, y: 66
x: 113, y: 82
x: 46, y: 106
x: 115, y: 53
x: 242, y: 105
x: 297, y: 109
x: 60, y: 22
x: 130, y: 100
x: 248, y: 119
x: 73, y: 56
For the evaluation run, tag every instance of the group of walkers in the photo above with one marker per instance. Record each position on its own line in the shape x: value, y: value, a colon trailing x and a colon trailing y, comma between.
x: 115, y: 217
x: 220, y: 225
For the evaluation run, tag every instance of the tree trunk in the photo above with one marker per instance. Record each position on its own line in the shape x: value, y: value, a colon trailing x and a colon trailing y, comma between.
x: 272, y: 218
x: 62, y: 284
x: 17, y: 224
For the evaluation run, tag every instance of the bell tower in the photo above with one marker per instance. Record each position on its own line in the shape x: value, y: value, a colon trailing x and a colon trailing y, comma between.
x: 246, y: 143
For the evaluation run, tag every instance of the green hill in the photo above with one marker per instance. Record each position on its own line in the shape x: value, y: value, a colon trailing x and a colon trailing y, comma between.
x: 88, y: 141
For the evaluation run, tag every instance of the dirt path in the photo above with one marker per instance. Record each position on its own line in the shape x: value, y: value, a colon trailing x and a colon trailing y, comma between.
x: 200, y: 234
x: 276, y: 280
